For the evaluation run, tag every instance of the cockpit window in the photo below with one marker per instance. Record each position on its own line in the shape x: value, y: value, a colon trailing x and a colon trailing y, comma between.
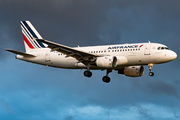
x: 166, y: 48
x: 163, y: 48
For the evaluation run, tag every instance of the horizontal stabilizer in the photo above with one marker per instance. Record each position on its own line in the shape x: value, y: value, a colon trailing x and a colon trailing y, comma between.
x: 20, y: 53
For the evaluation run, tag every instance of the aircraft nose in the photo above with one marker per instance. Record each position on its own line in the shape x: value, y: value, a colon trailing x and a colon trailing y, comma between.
x: 173, y: 55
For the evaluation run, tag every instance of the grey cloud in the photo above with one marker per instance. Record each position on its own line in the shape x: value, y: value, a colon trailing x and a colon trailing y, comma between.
x: 71, y: 117
x: 4, y: 106
x: 174, y: 108
x: 161, y: 87
x: 68, y: 118
x: 144, y: 112
x: 85, y: 22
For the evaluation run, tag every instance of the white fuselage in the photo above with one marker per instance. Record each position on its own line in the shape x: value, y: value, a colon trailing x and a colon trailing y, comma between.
x: 132, y: 54
x: 127, y: 59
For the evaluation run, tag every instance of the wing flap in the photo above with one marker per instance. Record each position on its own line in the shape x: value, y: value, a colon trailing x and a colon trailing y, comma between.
x: 20, y: 53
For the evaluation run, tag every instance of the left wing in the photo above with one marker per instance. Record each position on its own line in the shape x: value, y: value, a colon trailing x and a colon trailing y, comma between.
x: 72, y: 52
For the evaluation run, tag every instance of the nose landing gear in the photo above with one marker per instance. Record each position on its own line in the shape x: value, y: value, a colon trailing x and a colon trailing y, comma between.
x: 150, y: 70
x: 151, y: 74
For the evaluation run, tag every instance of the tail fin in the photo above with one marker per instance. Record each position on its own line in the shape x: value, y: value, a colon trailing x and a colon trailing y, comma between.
x: 29, y: 35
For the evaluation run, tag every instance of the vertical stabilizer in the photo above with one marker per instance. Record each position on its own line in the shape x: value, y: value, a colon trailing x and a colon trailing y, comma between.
x: 29, y: 36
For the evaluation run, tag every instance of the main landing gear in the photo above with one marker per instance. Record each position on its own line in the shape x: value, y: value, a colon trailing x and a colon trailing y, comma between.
x: 150, y: 70
x: 87, y: 73
x: 105, y: 79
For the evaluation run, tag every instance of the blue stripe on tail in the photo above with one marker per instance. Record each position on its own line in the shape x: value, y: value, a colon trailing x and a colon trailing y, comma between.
x: 29, y: 36
x: 33, y: 34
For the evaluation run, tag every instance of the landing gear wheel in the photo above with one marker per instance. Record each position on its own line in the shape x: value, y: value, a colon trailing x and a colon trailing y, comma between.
x: 151, y: 74
x: 150, y: 70
x: 87, y: 73
x: 106, y: 79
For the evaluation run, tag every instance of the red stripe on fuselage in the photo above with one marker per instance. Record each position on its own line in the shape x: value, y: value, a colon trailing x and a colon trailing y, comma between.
x: 140, y: 45
x: 27, y: 42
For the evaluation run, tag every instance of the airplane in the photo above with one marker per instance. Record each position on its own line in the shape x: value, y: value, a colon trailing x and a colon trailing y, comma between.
x: 127, y: 59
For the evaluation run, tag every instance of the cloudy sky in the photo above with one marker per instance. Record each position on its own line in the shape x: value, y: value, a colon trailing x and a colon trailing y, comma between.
x: 29, y: 91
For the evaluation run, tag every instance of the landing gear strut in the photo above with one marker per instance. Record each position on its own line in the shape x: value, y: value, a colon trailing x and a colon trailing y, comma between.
x: 150, y: 70
x: 106, y: 78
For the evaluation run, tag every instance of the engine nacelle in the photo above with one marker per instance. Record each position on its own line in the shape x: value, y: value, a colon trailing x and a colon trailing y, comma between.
x: 121, y: 60
x: 132, y: 71
x: 106, y: 62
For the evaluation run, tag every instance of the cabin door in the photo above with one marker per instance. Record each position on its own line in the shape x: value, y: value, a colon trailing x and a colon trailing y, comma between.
x: 147, y: 49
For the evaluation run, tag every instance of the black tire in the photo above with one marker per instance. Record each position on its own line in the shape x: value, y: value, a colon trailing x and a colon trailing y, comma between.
x: 106, y: 79
x: 151, y: 74
x: 87, y: 73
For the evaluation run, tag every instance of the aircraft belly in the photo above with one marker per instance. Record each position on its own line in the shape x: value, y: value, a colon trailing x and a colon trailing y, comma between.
x: 72, y: 63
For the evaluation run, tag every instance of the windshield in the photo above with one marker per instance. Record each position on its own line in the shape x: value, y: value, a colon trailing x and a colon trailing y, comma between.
x: 163, y: 48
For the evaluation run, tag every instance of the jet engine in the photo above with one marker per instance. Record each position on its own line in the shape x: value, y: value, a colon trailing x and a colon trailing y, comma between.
x: 132, y: 71
x: 106, y: 62
x: 121, y: 60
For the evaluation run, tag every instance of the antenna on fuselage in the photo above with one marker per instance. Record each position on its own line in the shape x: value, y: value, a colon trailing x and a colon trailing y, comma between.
x: 149, y: 41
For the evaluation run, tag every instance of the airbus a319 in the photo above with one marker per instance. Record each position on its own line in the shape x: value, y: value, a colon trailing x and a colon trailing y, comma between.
x: 127, y: 59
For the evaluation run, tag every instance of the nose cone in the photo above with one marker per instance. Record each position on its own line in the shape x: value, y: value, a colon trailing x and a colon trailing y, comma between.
x: 173, y: 55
